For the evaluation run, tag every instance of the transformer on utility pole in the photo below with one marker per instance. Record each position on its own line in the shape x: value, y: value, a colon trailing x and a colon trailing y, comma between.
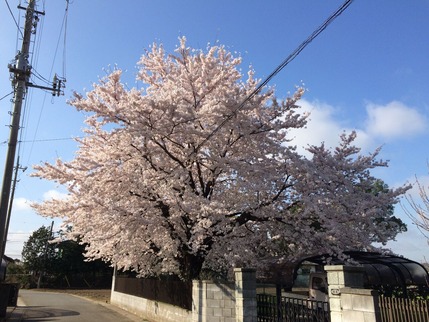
x: 21, y: 72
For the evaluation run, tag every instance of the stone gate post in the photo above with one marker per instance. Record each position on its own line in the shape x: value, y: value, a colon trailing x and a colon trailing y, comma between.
x: 348, y: 300
x: 245, y: 295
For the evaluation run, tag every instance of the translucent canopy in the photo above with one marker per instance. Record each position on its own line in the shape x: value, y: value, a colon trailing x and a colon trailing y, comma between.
x: 381, y: 269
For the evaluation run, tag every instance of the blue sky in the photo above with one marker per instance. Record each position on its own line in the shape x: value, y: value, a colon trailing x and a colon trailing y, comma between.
x: 368, y: 71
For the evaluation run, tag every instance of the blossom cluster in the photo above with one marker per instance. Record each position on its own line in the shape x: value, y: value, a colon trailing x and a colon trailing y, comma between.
x: 188, y: 174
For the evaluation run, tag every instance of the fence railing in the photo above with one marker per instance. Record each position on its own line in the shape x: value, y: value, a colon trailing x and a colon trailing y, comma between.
x: 291, y: 309
x: 403, y: 310
x: 267, y: 308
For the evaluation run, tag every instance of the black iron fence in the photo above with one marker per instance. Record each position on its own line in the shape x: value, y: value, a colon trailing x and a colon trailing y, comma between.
x: 270, y: 309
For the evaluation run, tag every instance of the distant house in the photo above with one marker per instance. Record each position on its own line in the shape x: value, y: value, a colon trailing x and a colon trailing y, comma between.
x: 4, y: 262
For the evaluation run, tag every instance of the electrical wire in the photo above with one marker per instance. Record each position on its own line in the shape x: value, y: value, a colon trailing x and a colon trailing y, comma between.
x: 62, y: 33
x: 34, y: 58
x: 36, y: 74
x: 291, y: 57
x: 53, y: 139
x: 65, y: 23
x: 13, y: 17
x: 18, y: 30
x: 6, y: 95
x: 37, y: 42
x: 47, y: 140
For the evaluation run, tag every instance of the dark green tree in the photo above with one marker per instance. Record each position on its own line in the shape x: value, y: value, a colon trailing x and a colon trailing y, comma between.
x: 393, y: 223
x: 70, y: 259
x: 72, y: 269
x: 15, y: 268
x: 61, y: 262
x: 38, y: 254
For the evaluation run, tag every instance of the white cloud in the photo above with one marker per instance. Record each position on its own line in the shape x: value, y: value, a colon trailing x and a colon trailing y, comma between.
x: 394, y: 120
x: 320, y: 127
x: 323, y: 127
x: 21, y: 204
x: 54, y: 194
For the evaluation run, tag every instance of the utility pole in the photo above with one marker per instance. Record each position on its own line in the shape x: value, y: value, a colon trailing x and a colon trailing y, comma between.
x: 45, y: 256
x: 21, y: 71
x: 9, y: 211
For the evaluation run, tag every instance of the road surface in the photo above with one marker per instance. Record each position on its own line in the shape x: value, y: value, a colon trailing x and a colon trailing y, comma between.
x: 51, y: 306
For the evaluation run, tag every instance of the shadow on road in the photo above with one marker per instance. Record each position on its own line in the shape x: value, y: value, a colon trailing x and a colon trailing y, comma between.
x: 44, y: 313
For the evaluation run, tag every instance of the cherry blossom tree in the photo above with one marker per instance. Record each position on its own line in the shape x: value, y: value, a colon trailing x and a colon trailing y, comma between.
x: 180, y: 176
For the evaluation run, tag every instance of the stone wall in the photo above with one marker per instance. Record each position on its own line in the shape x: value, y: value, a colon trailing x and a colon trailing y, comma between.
x: 211, y: 302
x: 236, y: 302
x: 220, y: 302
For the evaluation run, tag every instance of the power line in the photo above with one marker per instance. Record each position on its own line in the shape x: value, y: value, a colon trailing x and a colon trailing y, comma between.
x: 21, y: 69
x: 63, y: 27
x: 45, y: 140
x: 38, y: 25
x: 6, y: 95
x: 291, y: 57
x: 13, y: 17
x: 65, y: 24
x: 39, y: 76
x: 62, y: 33
x: 50, y: 140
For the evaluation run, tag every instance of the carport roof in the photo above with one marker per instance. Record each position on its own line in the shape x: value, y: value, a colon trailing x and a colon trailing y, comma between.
x: 381, y: 269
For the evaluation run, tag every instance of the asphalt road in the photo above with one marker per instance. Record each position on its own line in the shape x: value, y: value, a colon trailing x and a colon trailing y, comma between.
x: 50, y: 306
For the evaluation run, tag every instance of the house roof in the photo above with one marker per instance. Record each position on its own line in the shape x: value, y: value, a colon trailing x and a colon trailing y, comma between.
x: 4, y: 262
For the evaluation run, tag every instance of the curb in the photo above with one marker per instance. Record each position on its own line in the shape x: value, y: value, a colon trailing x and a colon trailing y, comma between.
x: 16, y: 313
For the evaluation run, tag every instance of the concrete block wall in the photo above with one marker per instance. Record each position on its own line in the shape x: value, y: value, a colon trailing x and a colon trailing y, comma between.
x: 213, y: 302
x: 359, y: 305
x: 218, y: 302
x: 147, y: 309
x: 150, y: 310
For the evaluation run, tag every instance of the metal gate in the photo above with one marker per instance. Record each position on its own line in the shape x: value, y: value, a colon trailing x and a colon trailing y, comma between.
x: 287, y: 309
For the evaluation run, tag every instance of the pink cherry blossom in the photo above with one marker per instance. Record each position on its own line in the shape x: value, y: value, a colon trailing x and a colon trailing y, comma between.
x: 175, y: 178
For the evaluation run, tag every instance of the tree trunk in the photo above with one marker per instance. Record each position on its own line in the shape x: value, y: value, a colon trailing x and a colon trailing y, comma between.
x: 191, y: 266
